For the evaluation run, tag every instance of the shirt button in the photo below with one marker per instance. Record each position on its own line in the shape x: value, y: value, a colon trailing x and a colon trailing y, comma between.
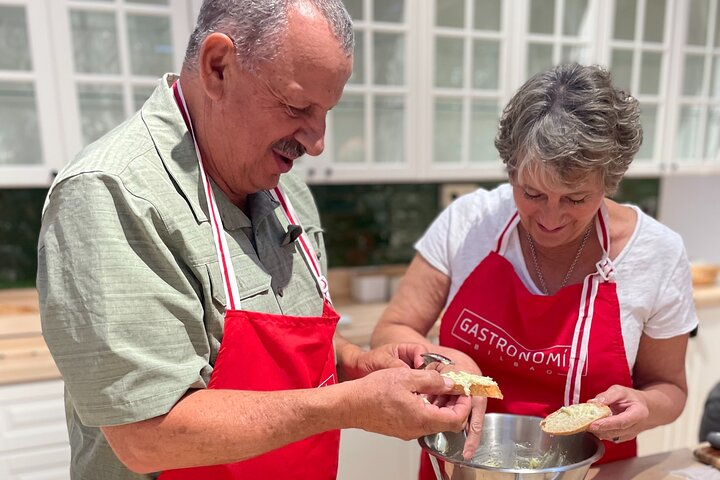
x: 280, y: 292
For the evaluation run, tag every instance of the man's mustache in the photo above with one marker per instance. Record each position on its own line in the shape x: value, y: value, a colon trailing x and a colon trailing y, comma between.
x: 289, y: 148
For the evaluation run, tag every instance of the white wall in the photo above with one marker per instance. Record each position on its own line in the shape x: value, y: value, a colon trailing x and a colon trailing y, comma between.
x: 690, y: 205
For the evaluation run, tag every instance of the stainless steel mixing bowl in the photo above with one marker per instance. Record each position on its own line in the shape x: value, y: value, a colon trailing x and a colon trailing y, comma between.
x: 513, y: 447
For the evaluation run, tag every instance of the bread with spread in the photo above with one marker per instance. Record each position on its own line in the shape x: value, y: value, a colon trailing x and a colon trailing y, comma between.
x: 473, y: 385
x: 574, y: 418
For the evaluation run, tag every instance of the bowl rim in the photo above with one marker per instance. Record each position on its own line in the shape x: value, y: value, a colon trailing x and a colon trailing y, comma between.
x: 599, y: 452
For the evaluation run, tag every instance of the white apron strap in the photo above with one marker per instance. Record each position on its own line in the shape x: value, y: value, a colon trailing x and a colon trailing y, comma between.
x: 581, y: 334
x: 504, y: 237
x: 221, y: 248
x: 305, y: 245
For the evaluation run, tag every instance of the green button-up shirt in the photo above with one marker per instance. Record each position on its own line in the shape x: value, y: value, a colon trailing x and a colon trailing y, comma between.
x: 131, y: 295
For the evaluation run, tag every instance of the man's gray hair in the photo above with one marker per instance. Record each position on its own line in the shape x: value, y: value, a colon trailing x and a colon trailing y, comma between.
x: 256, y: 27
x: 569, y: 122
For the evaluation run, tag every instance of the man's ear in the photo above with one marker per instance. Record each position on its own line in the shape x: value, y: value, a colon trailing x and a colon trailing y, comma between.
x: 217, y: 56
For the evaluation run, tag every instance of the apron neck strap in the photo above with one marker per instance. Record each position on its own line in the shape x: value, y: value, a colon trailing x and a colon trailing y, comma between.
x: 605, y: 267
x: 221, y: 248
x: 305, y: 246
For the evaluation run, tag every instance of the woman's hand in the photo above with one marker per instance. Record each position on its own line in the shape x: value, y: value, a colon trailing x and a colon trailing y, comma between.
x: 630, y: 414
x: 473, y: 429
x: 390, y: 355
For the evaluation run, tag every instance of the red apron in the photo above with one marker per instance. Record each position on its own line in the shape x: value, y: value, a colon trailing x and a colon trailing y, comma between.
x: 289, y: 353
x: 544, y: 351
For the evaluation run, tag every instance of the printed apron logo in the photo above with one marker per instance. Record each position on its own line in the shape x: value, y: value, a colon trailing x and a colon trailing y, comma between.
x: 483, y: 335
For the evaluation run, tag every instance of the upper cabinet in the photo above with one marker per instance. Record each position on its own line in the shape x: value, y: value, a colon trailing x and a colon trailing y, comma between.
x: 429, y: 82
x: 71, y: 70
x: 446, y: 68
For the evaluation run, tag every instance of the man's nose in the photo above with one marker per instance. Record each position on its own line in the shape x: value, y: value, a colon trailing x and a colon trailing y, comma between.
x: 312, y: 134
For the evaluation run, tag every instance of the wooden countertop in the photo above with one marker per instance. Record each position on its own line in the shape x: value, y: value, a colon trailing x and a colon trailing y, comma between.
x: 24, y: 356
x: 651, y: 467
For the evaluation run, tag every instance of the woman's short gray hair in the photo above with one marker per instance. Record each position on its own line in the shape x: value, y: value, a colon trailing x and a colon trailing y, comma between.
x: 256, y: 27
x: 570, y: 121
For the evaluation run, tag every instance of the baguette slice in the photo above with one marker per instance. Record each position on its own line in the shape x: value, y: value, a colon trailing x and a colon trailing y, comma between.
x: 574, y: 418
x: 474, y: 385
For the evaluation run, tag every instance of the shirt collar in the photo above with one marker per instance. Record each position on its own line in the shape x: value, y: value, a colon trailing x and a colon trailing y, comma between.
x: 176, y: 149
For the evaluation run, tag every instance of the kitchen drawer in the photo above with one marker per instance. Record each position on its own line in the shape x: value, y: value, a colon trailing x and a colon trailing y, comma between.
x: 32, y: 415
x: 47, y: 463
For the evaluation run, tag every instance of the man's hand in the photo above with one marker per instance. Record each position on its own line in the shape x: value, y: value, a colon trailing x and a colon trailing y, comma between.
x: 392, y: 402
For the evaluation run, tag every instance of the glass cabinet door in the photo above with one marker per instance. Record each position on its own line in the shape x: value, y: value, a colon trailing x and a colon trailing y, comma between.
x: 367, y: 132
x: 697, y: 129
x: 27, y: 118
x: 118, y: 49
x: 468, y: 75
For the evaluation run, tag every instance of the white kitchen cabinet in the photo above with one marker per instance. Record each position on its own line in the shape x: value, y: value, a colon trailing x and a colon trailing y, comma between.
x: 703, y: 372
x: 366, y: 455
x: 33, y: 436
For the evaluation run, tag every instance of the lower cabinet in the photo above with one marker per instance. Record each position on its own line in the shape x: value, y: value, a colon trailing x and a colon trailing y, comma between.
x: 366, y: 455
x: 33, y: 436
x: 703, y: 372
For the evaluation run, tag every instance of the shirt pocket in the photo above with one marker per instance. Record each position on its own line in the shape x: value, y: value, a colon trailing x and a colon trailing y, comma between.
x: 251, y: 279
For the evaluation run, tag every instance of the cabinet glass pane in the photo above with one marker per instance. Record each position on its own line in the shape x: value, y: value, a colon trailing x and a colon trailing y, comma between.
x: 621, y: 68
x: 150, y: 45
x: 575, y: 53
x: 688, y: 126
x: 354, y: 8
x: 449, y: 62
x: 698, y: 22
x: 487, y: 15
x: 712, y: 135
x: 717, y: 26
x: 542, y: 15
x: 650, y: 73
x: 648, y: 120
x: 151, y: 2
x: 447, y: 141
x: 483, y: 128
x: 358, y: 73
x: 625, y: 11
x: 101, y: 109
x: 19, y: 129
x: 539, y: 58
x: 715, y: 78
x: 389, y: 11
x: 654, y: 27
x: 450, y: 13
x: 693, y: 75
x: 95, y: 44
x: 14, y: 45
x: 389, y: 123
x: 389, y: 58
x: 576, y: 21
x: 349, y: 130
x: 486, y: 64
x: 140, y: 94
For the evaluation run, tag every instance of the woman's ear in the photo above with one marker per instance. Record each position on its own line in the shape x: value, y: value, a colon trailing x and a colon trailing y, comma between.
x: 215, y: 62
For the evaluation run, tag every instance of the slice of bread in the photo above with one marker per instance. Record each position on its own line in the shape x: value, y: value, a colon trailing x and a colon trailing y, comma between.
x: 574, y: 418
x: 473, y: 385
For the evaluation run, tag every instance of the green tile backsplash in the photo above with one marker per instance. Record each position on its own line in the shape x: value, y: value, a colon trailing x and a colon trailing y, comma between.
x: 364, y: 224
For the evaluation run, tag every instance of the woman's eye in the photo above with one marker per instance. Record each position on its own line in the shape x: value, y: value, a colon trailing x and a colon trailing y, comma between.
x: 533, y: 197
x: 578, y: 201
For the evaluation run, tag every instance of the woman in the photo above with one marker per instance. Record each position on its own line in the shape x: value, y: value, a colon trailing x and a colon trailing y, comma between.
x: 556, y: 291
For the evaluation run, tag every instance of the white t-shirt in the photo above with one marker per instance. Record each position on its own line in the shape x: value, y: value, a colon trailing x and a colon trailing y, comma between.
x: 654, y: 286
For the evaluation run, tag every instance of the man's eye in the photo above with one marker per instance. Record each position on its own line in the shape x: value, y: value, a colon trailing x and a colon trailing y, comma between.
x: 295, y: 111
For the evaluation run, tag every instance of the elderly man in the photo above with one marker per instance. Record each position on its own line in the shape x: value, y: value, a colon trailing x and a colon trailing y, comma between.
x: 181, y: 281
